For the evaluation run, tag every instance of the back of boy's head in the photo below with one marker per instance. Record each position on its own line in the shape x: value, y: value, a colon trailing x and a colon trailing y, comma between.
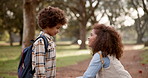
x: 50, y: 17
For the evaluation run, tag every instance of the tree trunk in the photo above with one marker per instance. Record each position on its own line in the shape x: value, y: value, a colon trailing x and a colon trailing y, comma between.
x: 139, y: 38
x: 146, y: 43
x: 141, y: 27
x: 21, y: 36
x: 29, y: 22
x: 83, y: 37
x: 10, y: 38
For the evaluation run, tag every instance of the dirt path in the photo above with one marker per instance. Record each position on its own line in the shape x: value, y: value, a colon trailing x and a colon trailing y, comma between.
x: 130, y: 60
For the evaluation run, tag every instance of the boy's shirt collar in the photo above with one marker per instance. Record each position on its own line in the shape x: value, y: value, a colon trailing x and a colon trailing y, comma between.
x: 47, y: 35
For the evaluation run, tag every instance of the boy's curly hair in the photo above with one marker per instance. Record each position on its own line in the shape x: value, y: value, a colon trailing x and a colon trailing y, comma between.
x: 108, y: 41
x: 50, y: 17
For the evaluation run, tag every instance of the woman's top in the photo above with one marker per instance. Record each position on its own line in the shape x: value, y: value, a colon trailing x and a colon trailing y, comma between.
x: 115, y: 70
x: 95, y: 65
x: 106, y: 70
x: 43, y: 62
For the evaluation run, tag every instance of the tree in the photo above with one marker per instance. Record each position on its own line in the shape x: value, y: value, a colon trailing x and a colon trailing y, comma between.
x: 115, y: 11
x: 84, y: 12
x: 141, y: 23
x: 10, y: 15
x: 29, y: 22
x: 117, y: 14
x: 73, y: 31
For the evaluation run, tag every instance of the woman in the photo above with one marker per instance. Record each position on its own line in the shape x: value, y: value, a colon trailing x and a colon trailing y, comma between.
x: 106, y: 47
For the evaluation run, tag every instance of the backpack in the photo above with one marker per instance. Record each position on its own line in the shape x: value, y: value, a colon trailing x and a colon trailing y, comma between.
x: 25, y: 65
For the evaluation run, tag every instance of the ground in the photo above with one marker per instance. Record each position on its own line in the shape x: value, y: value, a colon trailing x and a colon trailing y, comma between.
x: 130, y: 60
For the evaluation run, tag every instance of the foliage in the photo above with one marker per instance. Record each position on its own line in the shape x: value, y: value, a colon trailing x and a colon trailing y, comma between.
x: 82, y: 11
x: 126, y: 34
x: 11, y: 15
x: 11, y: 19
x: 81, y: 14
x: 141, y: 22
x: 72, y: 30
x: 113, y: 12
x: 4, y: 36
x: 127, y: 13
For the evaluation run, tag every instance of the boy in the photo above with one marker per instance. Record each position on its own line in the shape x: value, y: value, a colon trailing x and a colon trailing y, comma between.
x: 50, y: 20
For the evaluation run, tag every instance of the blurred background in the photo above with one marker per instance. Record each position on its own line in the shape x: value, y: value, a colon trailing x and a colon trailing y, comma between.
x: 18, y: 26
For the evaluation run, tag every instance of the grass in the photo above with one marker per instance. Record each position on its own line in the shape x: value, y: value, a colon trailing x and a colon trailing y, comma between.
x: 70, y: 60
x: 144, y: 56
x: 66, y: 55
x: 8, y: 69
x: 9, y: 52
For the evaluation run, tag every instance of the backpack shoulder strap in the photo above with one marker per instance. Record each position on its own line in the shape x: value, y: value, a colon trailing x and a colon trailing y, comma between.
x: 45, y: 42
x: 101, y: 58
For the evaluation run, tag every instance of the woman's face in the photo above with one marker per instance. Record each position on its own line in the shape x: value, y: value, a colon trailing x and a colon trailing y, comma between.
x: 92, y: 38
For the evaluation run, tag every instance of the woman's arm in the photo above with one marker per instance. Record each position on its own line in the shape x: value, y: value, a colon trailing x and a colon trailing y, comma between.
x: 94, y: 66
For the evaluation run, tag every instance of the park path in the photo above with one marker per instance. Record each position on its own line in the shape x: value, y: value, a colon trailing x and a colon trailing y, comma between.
x: 130, y: 60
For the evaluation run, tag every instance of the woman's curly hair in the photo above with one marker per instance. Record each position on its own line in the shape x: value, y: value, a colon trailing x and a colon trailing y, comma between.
x: 50, y: 17
x: 108, y: 41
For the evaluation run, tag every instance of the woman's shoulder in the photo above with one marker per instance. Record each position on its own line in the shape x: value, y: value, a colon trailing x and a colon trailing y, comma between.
x: 99, y: 55
x: 97, y: 58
